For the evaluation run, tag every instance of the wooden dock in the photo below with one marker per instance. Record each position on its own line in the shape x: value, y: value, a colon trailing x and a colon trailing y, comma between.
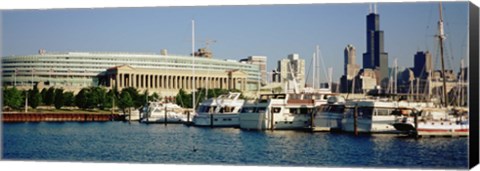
x: 59, y: 117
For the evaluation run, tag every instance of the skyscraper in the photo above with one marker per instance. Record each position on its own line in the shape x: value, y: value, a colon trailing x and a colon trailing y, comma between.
x: 350, y: 67
x: 295, y: 66
x: 375, y: 57
x: 422, y: 64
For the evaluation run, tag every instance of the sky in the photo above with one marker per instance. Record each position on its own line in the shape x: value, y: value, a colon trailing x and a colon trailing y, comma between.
x: 241, y: 31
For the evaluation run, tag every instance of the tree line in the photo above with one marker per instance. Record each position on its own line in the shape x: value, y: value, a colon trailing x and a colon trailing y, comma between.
x: 88, y: 98
x: 100, y: 98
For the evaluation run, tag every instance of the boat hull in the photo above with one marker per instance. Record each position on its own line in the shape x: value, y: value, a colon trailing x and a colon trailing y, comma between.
x: 327, y: 122
x: 216, y: 120
x: 434, y: 128
x: 377, y: 124
x: 262, y: 121
x: 177, y: 118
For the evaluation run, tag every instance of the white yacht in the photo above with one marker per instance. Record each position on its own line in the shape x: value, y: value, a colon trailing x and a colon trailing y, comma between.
x: 159, y: 112
x: 219, y: 112
x: 328, y: 117
x: 281, y: 111
x: 435, y: 121
x: 376, y: 115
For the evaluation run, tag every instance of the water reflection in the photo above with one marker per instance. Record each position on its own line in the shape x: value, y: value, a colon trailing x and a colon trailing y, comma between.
x: 179, y: 144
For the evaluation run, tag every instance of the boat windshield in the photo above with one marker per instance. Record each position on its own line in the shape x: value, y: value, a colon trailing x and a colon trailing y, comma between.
x: 332, y: 108
x: 253, y: 110
x: 227, y: 109
x: 247, y: 110
x: 264, y: 98
x: 206, y: 109
x: 301, y: 110
x: 363, y: 112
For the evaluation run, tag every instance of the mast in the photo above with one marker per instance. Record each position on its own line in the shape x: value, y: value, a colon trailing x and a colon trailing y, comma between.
x: 313, y: 73
x: 429, y: 83
x: 295, y: 87
x: 461, y: 83
x: 207, y: 84
x: 317, y: 54
x: 330, y: 73
x: 441, y: 37
x: 193, y: 64
x: 395, y: 86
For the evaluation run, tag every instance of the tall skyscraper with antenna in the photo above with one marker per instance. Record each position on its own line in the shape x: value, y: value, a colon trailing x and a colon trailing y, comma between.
x: 375, y: 56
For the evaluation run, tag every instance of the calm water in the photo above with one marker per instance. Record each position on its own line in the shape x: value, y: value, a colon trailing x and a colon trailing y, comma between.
x: 175, y: 144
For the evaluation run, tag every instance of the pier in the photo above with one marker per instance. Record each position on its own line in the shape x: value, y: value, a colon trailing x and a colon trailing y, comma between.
x: 59, y: 117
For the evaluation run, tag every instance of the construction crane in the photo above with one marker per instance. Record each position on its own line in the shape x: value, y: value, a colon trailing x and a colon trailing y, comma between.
x: 209, y: 42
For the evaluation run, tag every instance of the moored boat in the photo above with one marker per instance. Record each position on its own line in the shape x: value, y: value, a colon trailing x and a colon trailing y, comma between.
x: 328, y: 117
x: 219, y: 112
x: 281, y: 111
x: 434, y: 121
x: 376, y: 115
x: 159, y: 112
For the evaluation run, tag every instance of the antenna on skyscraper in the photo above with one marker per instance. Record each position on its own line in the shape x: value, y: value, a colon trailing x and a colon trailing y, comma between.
x: 370, y: 9
x: 375, y: 8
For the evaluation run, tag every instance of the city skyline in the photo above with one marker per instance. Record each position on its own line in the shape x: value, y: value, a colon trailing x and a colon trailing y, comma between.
x: 240, y: 31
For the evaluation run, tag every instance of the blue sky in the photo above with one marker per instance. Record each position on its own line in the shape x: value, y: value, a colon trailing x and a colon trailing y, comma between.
x: 240, y: 31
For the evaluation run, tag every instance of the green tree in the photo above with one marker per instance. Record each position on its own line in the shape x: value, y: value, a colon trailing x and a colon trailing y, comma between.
x: 59, y: 100
x: 138, y: 100
x: 125, y: 101
x: 44, y: 95
x: 49, y: 96
x: 81, y: 98
x: 143, y: 98
x: 96, y: 97
x: 183, y: 99
x: 12, y: 98
x: 69, y: 98
x: 34, y: 97
x: 109, y: 97
x: 154, y: 97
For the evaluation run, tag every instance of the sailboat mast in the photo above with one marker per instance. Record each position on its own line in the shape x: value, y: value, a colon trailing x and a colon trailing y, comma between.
x: 313, y: 73
x: 395, y: 86
x: 193, y: 64
x: 330, y: 73
x: 441, y: 37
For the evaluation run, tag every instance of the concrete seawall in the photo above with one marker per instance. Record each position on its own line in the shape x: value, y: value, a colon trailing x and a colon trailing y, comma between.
x: 59, y: 117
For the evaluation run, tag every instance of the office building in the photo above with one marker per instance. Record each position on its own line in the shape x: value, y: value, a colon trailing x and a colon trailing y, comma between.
x: 375, y: 56
x: 422, y: 64
x: 261, y: 61
x: 351, y: 69
x: 291, y: 71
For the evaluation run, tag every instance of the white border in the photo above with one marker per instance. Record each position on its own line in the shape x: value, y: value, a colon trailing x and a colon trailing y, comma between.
x: 55, y: 4
x: 73, y: 166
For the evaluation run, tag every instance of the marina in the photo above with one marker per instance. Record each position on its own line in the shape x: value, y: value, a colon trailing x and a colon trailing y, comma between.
x: 228, y: 104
